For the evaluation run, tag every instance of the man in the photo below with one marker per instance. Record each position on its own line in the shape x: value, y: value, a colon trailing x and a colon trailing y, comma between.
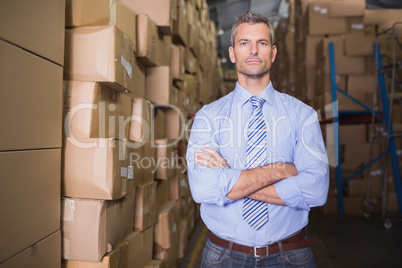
x: 256, y: 162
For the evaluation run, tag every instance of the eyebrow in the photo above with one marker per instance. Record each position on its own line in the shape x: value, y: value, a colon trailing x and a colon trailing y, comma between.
x: 259, y: 40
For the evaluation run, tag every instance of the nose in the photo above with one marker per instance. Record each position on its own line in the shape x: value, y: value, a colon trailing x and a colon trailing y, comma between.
x: 254, y: 49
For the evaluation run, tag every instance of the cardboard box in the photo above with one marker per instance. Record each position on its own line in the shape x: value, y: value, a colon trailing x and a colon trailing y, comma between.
x: 347, y: 104
x: 359, y: 46
x: 310, y: 50
x: 147, y: 40
x: 180, y: 24
x: 322, y: 47
x: 161, y: 12
x: 140, y: 127
x: 183, y: 239
x: 167, y: 256
x: 359, y: 152
x: 145, y: 212
x: 87, y: 13
x: 117, y: 258
x: 91, y: 227
x: 191, y: 85
x: 44, y: 253
x: 148, y: 163
x: 31, y: 105
x: 163, y: 52
x: 93, y: 110
x: 178, y: 187
x: 319, y: 23
x: 384, y: 18
x: 154, y: 264
x: 158, y: 124
x: 158, y: 84
x: 356, y: 26
x: 140, y: 247
x: 193, y: 213
x: 343, y: 65
x: 139, y: 77
x: 32, y: 27
x: 96, y: 168
x: 353, y: 134
x: 190, y: 62
x: 166, y: 226
x: 162, y: 192
x: 166, y: 157
x: 177, y: 61
x: 358, y: 187
x: 125, y: 19
x: 136, y: 156
x: 102, y: 54
x: 346, y: 8
x: 30, y: 198
x: 193, y: 35
x: 174, y: 123
x: 191, y: 12
x: 347, y: 65
x: 362, y: 83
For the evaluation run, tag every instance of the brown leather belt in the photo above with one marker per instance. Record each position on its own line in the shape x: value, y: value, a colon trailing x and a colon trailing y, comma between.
x: 295, y: 242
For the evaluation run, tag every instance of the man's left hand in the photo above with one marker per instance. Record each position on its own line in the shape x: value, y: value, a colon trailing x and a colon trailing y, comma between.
x: 210, y: 158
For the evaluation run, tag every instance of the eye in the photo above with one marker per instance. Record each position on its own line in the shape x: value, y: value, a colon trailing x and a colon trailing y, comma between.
x: 263, y: 43
x: 243, y: 43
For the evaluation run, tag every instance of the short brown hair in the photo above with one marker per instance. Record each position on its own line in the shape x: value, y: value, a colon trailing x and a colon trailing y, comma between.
x: 253, y: 18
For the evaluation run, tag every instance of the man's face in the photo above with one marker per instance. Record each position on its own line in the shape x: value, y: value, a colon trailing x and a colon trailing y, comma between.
x: 253, y: 52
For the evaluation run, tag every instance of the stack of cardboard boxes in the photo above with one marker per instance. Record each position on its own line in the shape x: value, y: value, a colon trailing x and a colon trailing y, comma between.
x: 311, y: 26
x: 31, y: 71
x: 134, y: 76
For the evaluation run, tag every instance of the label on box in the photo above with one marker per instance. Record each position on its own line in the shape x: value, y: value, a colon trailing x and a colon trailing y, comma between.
x: 123, y: 172
x: 357, y: 26
x: 130, y: 172
x: 127, y: 66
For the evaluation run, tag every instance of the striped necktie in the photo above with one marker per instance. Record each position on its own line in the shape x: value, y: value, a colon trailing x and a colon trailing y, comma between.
x: 255, y: 213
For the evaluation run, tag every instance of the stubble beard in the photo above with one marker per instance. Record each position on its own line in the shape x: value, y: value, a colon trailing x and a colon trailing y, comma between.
x: 254, y: 76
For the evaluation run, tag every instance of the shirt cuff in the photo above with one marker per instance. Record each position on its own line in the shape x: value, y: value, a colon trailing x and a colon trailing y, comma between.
x: 290, y: 193
x: 226, y: 181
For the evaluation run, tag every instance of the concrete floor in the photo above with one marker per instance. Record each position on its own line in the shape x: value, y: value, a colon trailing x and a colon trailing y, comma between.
x: 352, y: 241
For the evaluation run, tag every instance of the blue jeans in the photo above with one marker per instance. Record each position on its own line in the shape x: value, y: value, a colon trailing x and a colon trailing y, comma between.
x: 215, y: 256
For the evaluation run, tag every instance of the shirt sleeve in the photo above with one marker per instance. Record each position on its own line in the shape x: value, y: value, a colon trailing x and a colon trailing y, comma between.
x: 310, y: 187
x: 207, y: 185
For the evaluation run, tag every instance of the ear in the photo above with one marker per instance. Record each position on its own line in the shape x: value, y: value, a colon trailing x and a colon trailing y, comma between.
x: 232, y: 55
x: 273, y: 53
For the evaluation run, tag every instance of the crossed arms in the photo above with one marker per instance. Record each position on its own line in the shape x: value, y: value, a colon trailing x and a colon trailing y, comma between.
x: 256, y: 183
x: 213, y: 182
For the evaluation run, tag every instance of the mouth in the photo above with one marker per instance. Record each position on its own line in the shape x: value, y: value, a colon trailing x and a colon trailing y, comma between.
x: 253, y: 60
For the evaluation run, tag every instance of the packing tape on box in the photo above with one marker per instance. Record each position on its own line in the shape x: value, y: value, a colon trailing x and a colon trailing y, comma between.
x: 126, y: 64
x: 113, y: 13
x: 69, y: 210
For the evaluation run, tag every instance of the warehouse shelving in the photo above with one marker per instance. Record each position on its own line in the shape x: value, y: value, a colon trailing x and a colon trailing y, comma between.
x: 383, y: 117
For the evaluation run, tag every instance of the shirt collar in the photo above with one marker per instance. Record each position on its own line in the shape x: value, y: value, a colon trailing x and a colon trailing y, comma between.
x: 244, y: 95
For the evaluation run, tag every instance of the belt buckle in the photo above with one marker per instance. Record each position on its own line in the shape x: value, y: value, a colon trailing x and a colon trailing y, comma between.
x: 256, y: 254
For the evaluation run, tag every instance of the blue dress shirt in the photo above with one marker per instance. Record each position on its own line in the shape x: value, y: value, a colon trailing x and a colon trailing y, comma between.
x: 293, y: 135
